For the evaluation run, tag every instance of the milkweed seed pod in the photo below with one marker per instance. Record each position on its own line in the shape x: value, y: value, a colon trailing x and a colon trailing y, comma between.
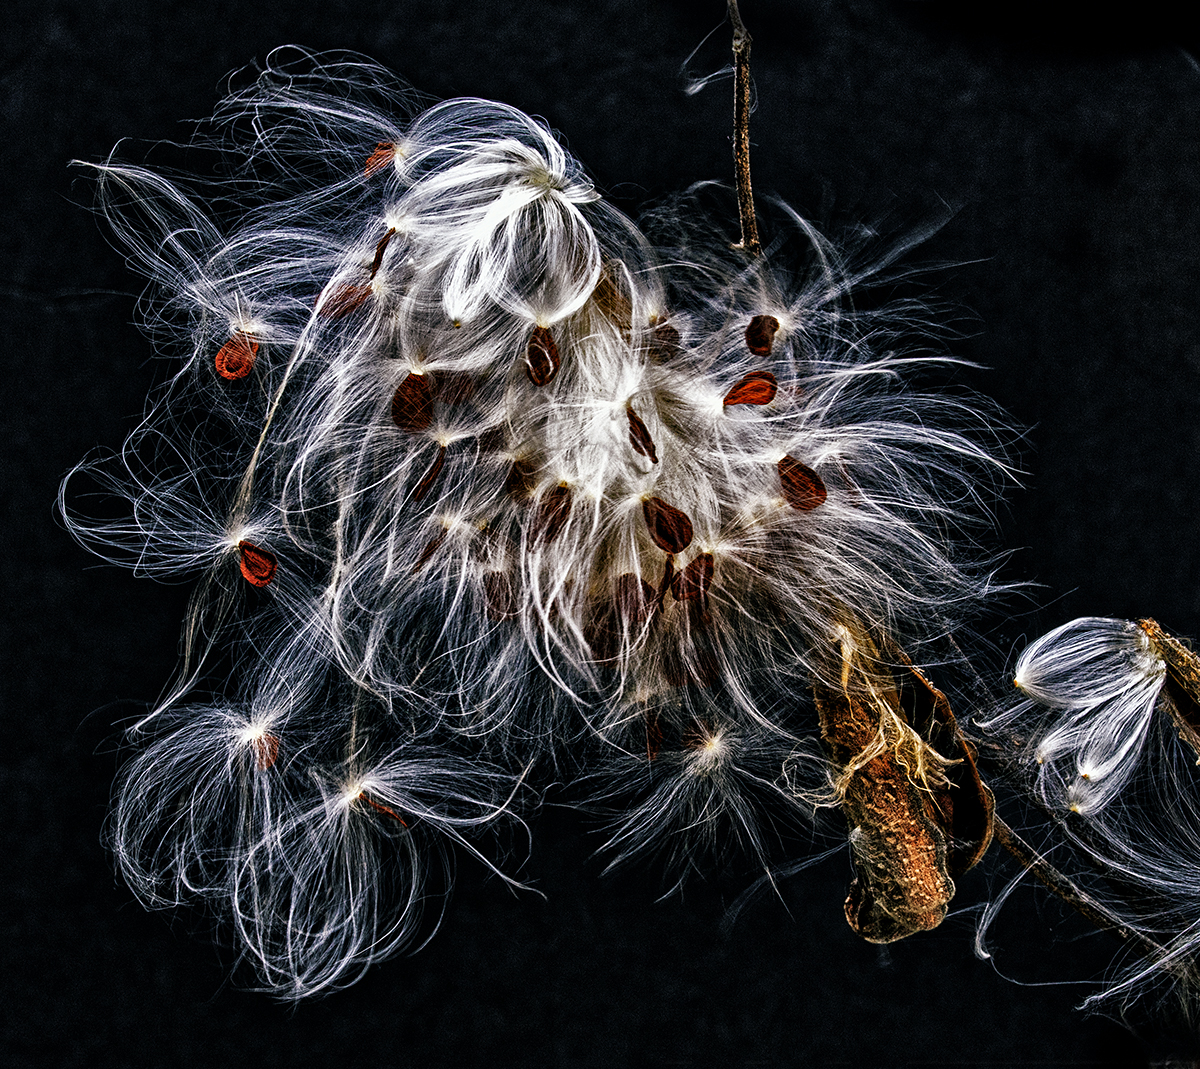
x: 1106, y: 733
x: 472, y: 475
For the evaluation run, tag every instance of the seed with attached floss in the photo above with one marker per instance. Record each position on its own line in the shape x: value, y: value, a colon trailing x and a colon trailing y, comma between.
x: 379, y: 807
x: 498, y: 594
x: 257, y: 564
x: 670, y: 528
x: 693, y: 582
x: 344, y: 300
x: 639, y: 436
x: 760, y: 334
x: 412, y: 404
x: 424, y: 486
x: 380, y: 249
x: 380, y: 159
x: 541, y: 357
x: 552, y: 514
x: 266, y: 751
x: 522, y: 480
x: 803, y: 488
x: 754, y: 388
x: 430, y: 549
x: 236, y: 357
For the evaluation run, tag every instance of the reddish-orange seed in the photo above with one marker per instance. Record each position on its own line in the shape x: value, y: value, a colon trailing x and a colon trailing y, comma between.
x: 266, y: 751
x: 380, y: 249
x: 803, y: 488
x: 236, y: 357
x: 412, y: 404
x: 380, y: 159
x: 760, y: 334
x: 670, y: 528
x: 754, y: 388
x: 552, y: 514
x: 424, y: 486
x: 639, y: 436
x: 344, y: 300
x: 257, y: 564
x: 693, y: 582
x: 379, y: 807
x: 541, y: 357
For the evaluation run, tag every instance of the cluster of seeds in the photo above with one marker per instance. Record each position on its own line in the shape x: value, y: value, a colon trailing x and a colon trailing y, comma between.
x: 489, y: 484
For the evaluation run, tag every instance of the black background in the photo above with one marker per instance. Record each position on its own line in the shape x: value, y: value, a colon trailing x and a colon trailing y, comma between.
x: 1069, y: 147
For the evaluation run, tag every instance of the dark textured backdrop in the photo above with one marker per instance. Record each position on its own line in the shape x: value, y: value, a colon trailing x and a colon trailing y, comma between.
x: 1069, y: 147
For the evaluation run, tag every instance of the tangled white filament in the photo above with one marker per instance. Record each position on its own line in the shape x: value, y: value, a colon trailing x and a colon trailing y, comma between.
x: 473, y: 476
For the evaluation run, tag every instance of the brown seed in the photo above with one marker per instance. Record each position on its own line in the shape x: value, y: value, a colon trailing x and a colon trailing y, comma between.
x: 498, y: 593
x: 670, y: 528
x: 344, y: 300
x: 760, y: 334
x: 552, y: 514
x: 380, y: 159
x: 611, y: 300
x: 755, y: 388
x: 452, y: 387
x: 236, y: 356
x: 431, y: 547
x: 693, y: 582
x: 522, y: 480
x: 412, y: 404
x: 431, y: 475
x: 380, y: 249
x: 257, y: 564
x: 639, y: 436
x: 664, y: 342
x: 266, y: 751
x: 803, y: 488
x: 633, y: 598
x: 541, y: 357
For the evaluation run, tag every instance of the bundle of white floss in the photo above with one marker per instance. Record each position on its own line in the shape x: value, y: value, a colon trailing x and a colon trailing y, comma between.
x: 480, y: 488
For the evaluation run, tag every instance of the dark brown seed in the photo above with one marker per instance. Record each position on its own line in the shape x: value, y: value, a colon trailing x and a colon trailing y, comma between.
x: 381, y: 158
x: 380, y: 249
x: 803, y: 488
x: 639, y: 436
x: 693, y: 582
x: 634, y: 599
x: 665, y: 341
x: 344, y: 300
x: 236, y: 357
x: 452, y: 387
x: 431, y: 475
x: 760, y: 334
x: 626, y: 612
x: 497, y: 590
x: 522, y: 480
x: 257, y: 564
x: 492, y: 440
x: 552, y: 514
x: 611, y: 300
x: 670, y: 528
x: 431, y: 547
x: 412, y: 404
x: 541, y: 357
x: 266, y: 751
x: 755, y: 388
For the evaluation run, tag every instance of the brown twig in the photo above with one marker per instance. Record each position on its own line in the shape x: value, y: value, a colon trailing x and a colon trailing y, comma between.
x: 741, y: 132
x: 1069, y: 893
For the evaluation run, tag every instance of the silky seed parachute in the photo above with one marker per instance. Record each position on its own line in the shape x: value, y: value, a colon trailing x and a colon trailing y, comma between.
x: 479, y: 484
